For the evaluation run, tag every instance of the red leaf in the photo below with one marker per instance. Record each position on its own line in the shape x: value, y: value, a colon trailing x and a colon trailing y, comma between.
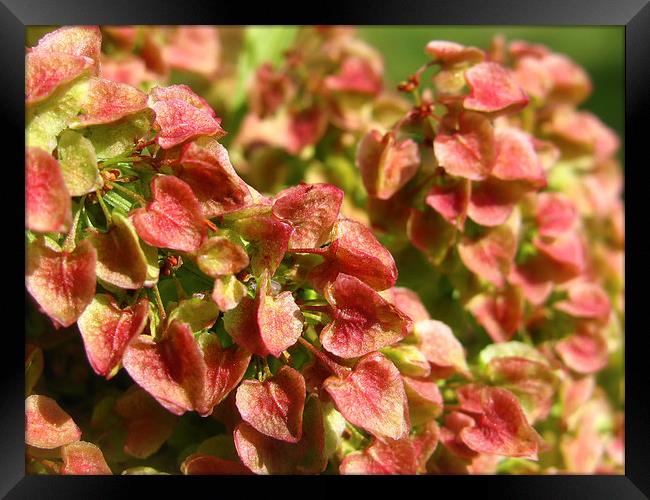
x: 182, y: 115
x: 555, y: 214
x: 387, y: 456
x: 567, y: 253
x: 386, y: 164
x: 274, y: 407
x: 583, y: 352
x: 173, y: 219
x: 106, y: 330
x: 269, y: 241
x: 501, y: 427
x: 451, y: 201
x: 109, y: 101
x: 47, y: 426
x: 267, y: 324
x: 363, y: 320
x: 491, y: 255
x: 570, y: 82
x: 311, y: 209
x: 355, y: 75
x: 206, y: 167
x: 449, y: 53
x: 372, y: 397
x: 183, y: 374
x: 358, y: 253
x: 48, y: 206
x: 491, y: 201
x: 493, y: 89
x: 62, y: 283
x: 586, y: 300
x: 265, y: 455
x: 449, y: 434
x: 47, y: 71
x: 500, y: 314
x: 148, y: 424
x: 468, y: 152
x: 516, y: 159
x: 439, y: 345
x: 83, y: 458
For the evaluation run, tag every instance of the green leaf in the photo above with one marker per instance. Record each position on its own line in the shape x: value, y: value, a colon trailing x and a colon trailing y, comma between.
x: 115, y: 139
x: 509, y: 349
x: 47, y: 120
x: 78, y: 163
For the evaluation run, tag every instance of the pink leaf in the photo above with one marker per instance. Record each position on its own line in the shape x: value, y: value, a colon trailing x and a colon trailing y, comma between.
x: 356, y: 252
x: 265, y: 455
x: 267, y: 324
x: 372, y: 397
x: 47, y: 71
x: 274, y: 407
x: 363, y: 320
x: 48, y: 206
x: 106, y: 330
x: 491, y: 255
x: 173, y: 219
x: 311, y: 209
x: 85, y: 459
x: 439, y: 345
x: 47, y: 426
x: 109, y: 101
x: 386, y: 164
x: 493, y: 89
x: 62, y: 283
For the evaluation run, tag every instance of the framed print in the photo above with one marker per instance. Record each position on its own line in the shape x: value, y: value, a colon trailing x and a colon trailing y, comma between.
x: 381, y: 243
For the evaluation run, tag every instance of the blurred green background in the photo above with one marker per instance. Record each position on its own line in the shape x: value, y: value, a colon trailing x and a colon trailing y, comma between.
x: 599, y: 49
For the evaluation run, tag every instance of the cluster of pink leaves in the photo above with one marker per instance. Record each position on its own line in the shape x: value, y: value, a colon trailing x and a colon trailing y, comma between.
x: 290, y: 274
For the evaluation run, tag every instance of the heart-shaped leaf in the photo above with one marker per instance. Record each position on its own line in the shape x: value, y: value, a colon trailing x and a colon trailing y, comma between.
x: 78, y: 163
x: 173, y: 219
x: 490, y: 256
x: 205, y: 166
x: 356, y: 252
x: 372, y: 397
x: 268, y: 239
x: 439, y: 345
x: 386, y: 164
x: 363, y: 321
x: 493, y: 88
x: 106, y: 330
x: 500, y: 426
x: 266, y: 324
x: 311, y: 209
x: 190, y: 374
x: 109, y: 101
x: 181, y: 115
x: 62, y: 283
x: 274, y: 407
x: 265, y: 455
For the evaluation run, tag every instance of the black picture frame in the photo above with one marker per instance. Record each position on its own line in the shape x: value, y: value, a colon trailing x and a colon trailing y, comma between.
x: 634, y: 15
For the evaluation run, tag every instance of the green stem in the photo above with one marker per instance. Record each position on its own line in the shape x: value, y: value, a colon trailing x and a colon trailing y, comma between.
x: 134, y: 196
x: 107, y: 213
x: 159, y: 302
